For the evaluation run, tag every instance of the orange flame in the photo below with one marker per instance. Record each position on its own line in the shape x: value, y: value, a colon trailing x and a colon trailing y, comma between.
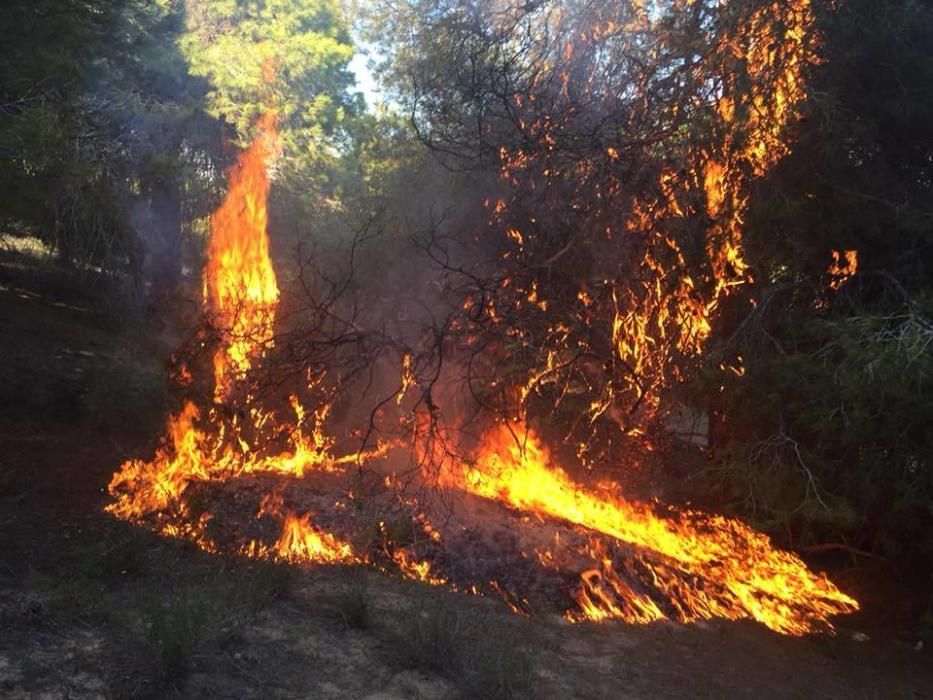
x: 144, y: 487
x: 303, y: 542
x: 843, y: 266
x: 699, y: 566
x: 672, y: 311
x: 240, y: 288
x: 239, y: 281
x: 747, y: 577
x: 604, y: 595
x: 416, y: 570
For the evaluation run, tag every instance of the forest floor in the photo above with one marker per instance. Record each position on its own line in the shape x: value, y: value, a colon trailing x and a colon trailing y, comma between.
x: 91, y: 607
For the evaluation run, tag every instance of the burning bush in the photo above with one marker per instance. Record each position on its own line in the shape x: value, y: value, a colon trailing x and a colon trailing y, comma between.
x: 612, y: 154
x: 744, y: 576
x: 626, y: 140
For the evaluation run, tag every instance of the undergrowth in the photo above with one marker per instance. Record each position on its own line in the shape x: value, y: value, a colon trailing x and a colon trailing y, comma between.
x: 481, y: 656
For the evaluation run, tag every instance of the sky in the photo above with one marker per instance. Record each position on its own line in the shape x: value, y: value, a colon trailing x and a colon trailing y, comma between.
x: 365, y: 81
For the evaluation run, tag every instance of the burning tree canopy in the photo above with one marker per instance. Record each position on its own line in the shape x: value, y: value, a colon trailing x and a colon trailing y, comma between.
x: 627, y: 138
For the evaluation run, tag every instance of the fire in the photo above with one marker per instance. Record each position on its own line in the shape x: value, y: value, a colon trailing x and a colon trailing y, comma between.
x: 843, y: 266
x: 190, y: 454
x: 679, y: 242
x: 416, y: 570
x: 239, y: 282
x: 303, y: 542
x: 241, y: 292
x: 144, y: 487
x: 603, y: 595
x: 672, y: 313
x: 637, y: 563
x: 745, y: 575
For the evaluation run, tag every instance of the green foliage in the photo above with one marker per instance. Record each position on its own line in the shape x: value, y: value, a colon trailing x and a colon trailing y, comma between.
x: 484, y: 663
x: 828, y: 439
x: 90, y: 99
x: 826, y: 436
x: 354, y: 608
x: 859, y: 175
x: 290, y: 55
x: 381, y: 159
x: 111, y: 114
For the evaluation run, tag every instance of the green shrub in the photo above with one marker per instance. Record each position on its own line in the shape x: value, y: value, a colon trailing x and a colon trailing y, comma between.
x: 482, y: 659
x: 829, y: 440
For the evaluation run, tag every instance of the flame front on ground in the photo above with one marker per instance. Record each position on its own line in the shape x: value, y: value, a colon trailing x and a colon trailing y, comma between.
x: 142, y: 487
x: 303, y: 542
x: 743, y: 575
x: 241, y: 292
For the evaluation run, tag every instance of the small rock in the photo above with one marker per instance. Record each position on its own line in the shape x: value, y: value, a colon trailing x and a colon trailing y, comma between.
x: 918, y: 646
x: 860, y: 637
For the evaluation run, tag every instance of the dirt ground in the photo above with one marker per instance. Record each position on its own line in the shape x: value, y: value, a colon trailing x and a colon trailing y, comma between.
x: 95, y: 608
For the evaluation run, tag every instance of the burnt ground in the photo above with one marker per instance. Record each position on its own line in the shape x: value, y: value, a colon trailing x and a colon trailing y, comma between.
x: 95, y: 608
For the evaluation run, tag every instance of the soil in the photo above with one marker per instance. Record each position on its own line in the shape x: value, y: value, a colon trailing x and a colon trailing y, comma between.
x: 95, y: 608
